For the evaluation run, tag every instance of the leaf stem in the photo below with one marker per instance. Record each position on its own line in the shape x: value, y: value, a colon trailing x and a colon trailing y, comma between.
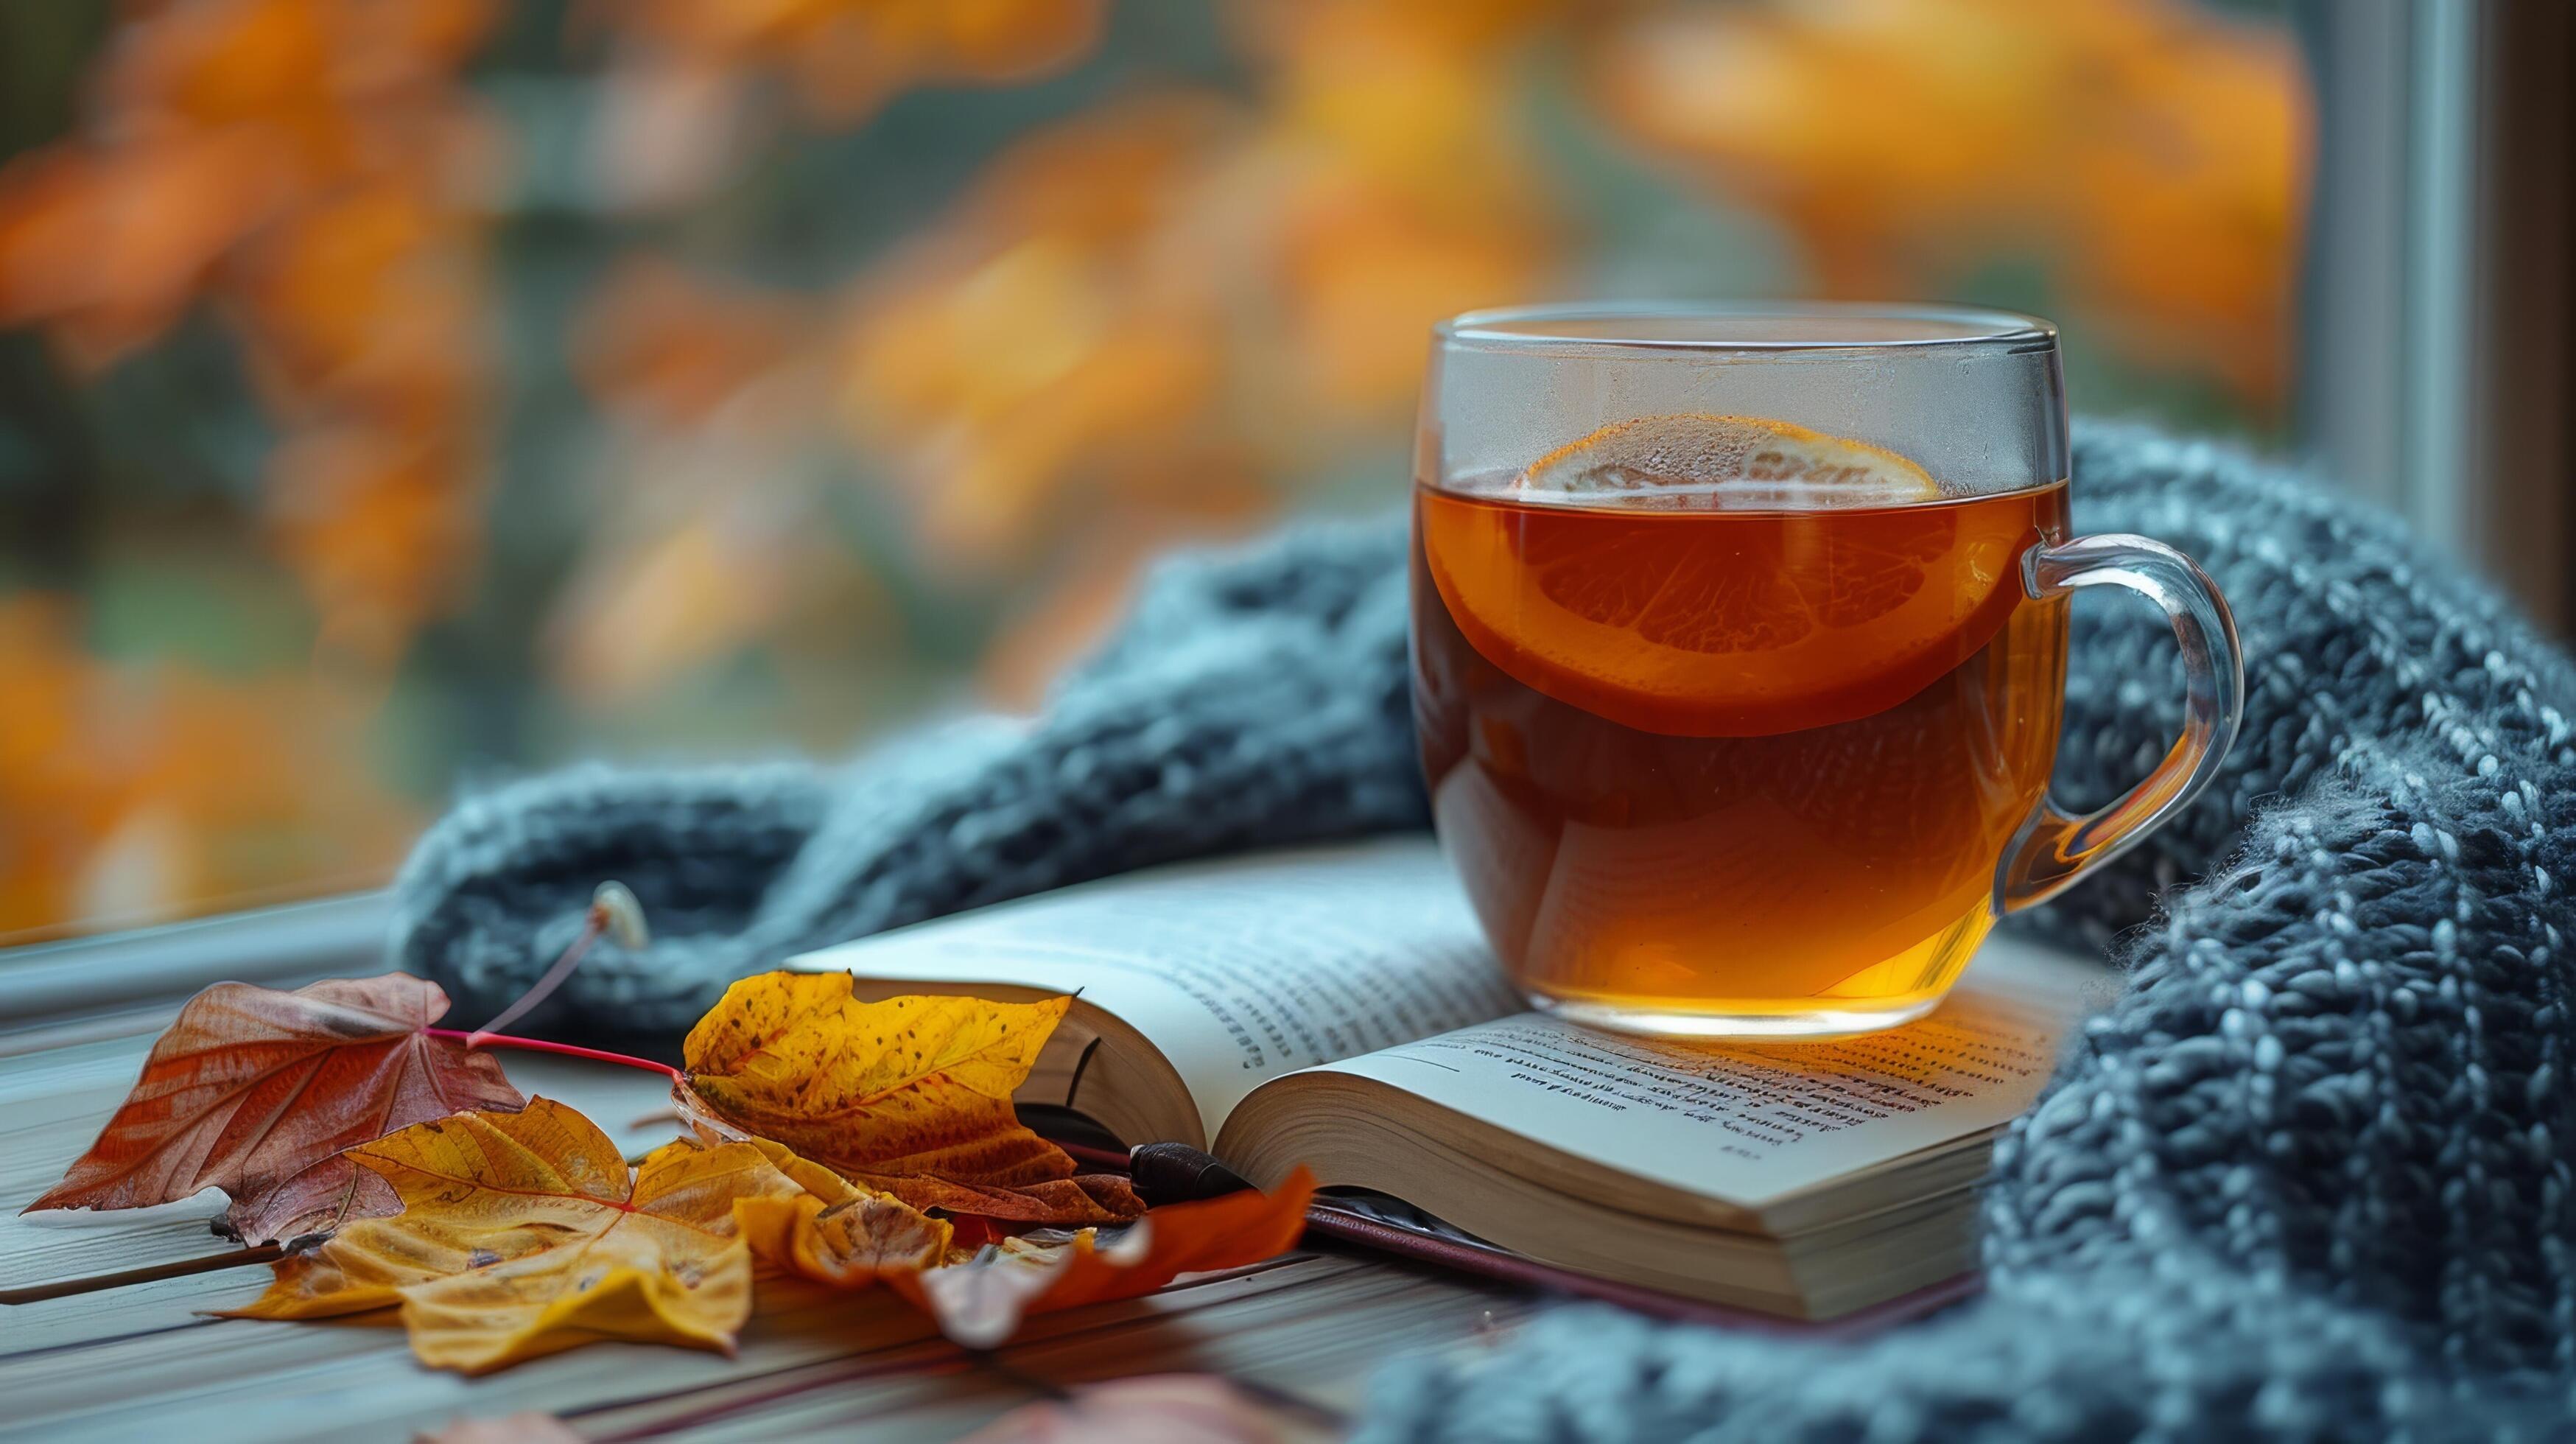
x: 540, y: 1045
x: 613, y: 912
x: 154, y: 1273
x: 545, y: 986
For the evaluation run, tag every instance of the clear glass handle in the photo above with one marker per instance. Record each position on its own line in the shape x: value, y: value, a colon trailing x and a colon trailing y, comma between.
x: 2054, y: 848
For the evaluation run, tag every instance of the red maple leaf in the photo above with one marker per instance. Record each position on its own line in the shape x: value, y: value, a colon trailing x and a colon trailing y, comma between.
x: 256, y: 1092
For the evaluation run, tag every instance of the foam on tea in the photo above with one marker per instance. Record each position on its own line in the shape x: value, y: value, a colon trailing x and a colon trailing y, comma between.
x: 1726, y: 716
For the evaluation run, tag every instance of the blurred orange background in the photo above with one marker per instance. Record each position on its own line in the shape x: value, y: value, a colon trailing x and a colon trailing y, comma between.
x: 398, y: 392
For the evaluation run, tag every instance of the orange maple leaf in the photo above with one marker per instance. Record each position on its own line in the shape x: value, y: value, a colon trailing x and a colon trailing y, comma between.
x: 981, y: 1302
x: 910, y: 1096
x: 257, y: 1092
x: 524, y: 1233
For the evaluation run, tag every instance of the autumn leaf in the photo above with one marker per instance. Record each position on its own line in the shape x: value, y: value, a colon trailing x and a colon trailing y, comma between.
x: 523, y: 1233
x: 257, y: 1092
x: 1152, y: 1409
x: 980, y: 1303
x: 528, y: 1427
x: 314, y: 1203
x: 910, y: 1096
x: 836, y: 1232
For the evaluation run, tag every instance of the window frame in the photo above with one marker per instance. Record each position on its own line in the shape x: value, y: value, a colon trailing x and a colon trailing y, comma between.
x: 113, y: 984
x: 2437, y: 337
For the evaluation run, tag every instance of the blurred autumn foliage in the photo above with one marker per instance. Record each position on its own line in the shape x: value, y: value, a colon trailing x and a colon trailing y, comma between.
x: 2151, y: 152
x: 308, y: 168
x: 695, y: 374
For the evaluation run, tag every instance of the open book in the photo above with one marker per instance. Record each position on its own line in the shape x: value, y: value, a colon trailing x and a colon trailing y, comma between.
x: 1337, y: 1007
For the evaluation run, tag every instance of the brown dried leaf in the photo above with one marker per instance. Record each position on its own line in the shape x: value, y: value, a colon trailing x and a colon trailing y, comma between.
x: 835, y: 1232
x: 980, y: 1303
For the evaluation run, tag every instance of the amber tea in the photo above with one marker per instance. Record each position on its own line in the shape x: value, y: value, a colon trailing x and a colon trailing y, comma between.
x: 1738, y: 708
x: 1743, y: 750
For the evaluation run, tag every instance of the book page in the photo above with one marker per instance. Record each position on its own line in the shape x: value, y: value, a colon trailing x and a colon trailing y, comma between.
x: 1757, y: 1123
x: 1240, y: 971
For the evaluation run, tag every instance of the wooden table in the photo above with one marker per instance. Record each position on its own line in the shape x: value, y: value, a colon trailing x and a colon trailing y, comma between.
x: 139, y: 1360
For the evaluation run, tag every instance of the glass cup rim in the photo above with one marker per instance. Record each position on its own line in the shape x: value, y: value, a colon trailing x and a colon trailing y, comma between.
x: 1746, y: 328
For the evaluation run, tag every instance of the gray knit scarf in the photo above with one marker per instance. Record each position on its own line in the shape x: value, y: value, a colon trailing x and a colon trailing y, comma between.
x: 2306, y: 1178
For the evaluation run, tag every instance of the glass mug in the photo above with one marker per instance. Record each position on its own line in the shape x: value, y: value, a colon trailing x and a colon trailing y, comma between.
x: 1739, y: 649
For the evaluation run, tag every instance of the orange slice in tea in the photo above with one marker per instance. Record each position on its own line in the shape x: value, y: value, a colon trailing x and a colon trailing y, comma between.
x: 1734, y: 462
x: 1723, y: 575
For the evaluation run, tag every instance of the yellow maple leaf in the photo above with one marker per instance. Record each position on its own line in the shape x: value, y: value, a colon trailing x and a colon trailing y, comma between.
x: 524, y: 1233
x: 909, y: 1096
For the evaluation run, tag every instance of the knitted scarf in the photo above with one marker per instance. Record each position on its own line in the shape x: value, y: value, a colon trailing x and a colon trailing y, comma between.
x: 2302, y: 1179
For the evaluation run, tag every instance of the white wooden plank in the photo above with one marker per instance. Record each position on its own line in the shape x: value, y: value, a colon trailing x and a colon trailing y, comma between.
x: 241, y: 1379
